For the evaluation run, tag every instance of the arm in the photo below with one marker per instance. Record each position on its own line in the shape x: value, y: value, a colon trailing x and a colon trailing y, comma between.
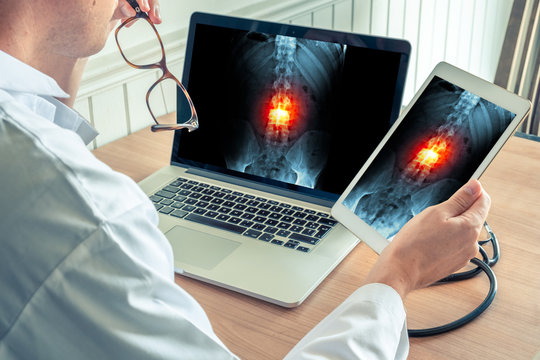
x: 370, y: 324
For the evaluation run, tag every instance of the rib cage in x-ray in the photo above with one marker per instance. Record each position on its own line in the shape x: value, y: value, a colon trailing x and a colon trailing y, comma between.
x: 302, y: 70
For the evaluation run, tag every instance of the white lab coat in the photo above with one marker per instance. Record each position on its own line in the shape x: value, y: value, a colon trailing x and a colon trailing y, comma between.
x: 86, y: 274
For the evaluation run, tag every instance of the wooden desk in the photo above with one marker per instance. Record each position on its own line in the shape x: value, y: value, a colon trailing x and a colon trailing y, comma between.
x: 509, y: 329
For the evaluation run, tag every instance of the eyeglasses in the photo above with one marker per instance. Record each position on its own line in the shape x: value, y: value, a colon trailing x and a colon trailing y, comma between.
x: 148, y: 57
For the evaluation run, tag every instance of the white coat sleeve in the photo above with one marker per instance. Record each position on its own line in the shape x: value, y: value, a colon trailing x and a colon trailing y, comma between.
x: 370, y: 324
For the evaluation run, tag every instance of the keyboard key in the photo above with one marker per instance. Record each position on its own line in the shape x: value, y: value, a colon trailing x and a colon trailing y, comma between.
x: 260, y: 199
x: 252, y: 203
x: 211, y: 214
x: 200, y: 211
x: 181, y: 179
x: 188, y: 208
x: 208, y: 191
x: 195, y: 195
x: 224, y: 210
x: 158, y: 206
x: 312, y: 218
x: 201, y: 204
x: 312, y: 225
x: 172, y: 189
x: 186, y: 186
x: 271, y: 222
x: 223, y: 217
x: 177, y: 205
x: 287, y: 219
x: 271, y: 230
x: 229, y: 197
x: 215, y: 223
x: 226, y: 191
x: 237, y: 193
x: 298, y: 208
x: 193, y: 182
x: 283, y: 233
x: 190, y: 201
x: 184, y: 192
x: 206, y: 198
x: 296, y: 228
x: 246, y: 223
x: 228, y: 203
x: 264, y: 206
x: 303, y: 249
x: 204, y: 185
x: 179, y: 213
x: 214, y: 187
x: 323, y: 229
x: 308, y: 232
x: 235, y: 220
x: 247, y: 216
x: 236, y: 213
x: 288, y: 212
x: 283, y: 205
x: 276, y: 242
x: 179, y: 198
x: 263, y: 212
x: 259, y: 219
x: 247, y: 196
x: 242, y: 200
x: 219, y: 194
x: 299, y: 222
x: 283, y: 225
x: 259, y: 227
x: 198, y: 188
x: 266, y: 237
x: 156, y: 198
x: 213, y: 207
x: 176, y: 183
x: 299, y: 214
x: 272, y: 202
x: 166, y: 194
x: 166, y: 201
x: 252, y: 233
x: 304, y: 238
x: 276, y: 208
x: 275, y: 216
x: 329, y: 222
x: 311, y: 212
x: 240, y: 206
x: 251, y: 209
x: 217, y: 201
x: 291, y: 244
x: 321, y: 214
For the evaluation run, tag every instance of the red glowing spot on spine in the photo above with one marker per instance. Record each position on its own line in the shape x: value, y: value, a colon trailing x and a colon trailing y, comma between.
x: 281, y: 112
x: 433, y: 154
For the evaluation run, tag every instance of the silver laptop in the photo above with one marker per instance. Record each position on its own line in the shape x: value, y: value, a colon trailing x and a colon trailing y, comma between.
x: 287, y: 115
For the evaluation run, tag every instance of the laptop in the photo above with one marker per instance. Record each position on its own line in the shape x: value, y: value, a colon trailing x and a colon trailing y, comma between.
x: 287, y: 114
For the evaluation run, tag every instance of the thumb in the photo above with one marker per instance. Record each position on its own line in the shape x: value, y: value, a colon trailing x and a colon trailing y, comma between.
x: 463, y: 199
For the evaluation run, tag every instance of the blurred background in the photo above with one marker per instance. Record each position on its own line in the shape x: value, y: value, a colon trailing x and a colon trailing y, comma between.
x: 497, y: 40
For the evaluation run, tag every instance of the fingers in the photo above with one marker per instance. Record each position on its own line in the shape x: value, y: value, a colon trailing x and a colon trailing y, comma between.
x: 463, y: 199
x: 153, y: 11
x: 477, y: 213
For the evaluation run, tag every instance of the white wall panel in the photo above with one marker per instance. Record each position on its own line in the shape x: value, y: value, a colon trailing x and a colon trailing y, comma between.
x: 109, y: 115
x: 304, y: 20
x: 465, y: 33
x: 411, y: 31
x: 135, y: 93
x: 323, y: 18
x: 379, y: 17
x: 477, y: 42
x: 425, y: 42
x: 396, y: 12
x: 343, y: 16
x: 361, y: 16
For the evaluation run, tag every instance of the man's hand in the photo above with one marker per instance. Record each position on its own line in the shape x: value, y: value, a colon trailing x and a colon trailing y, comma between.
x: 124, y: 10
x: 435, y: 243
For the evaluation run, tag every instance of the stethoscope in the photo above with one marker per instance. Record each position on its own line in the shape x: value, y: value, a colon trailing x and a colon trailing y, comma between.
x: 484, y: 265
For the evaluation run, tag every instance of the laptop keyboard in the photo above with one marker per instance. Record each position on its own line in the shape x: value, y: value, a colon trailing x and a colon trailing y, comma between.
x: 282, y: 224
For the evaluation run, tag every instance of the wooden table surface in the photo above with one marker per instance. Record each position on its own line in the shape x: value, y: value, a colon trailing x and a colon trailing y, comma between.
x: 509, y: 329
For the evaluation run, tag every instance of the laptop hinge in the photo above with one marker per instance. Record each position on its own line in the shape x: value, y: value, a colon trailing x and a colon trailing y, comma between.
x: 261, y: 187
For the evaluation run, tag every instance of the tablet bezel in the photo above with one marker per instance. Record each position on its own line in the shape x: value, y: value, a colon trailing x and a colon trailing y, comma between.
x: 465, y: 80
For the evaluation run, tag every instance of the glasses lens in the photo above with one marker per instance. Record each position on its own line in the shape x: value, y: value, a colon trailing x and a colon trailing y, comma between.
x: 140, y: 43
x: 163, y: 100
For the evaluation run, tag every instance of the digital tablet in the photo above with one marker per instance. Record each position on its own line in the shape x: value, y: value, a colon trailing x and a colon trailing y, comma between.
x: 448, y: 134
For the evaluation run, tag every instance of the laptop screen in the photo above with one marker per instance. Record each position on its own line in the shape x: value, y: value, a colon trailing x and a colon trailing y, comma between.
x: 293, y: 107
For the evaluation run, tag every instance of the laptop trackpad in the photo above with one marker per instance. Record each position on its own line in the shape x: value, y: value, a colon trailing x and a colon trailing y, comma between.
x: 199, y: 249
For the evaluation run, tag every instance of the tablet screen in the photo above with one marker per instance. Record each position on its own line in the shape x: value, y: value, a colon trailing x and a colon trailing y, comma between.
x: 436, y: 148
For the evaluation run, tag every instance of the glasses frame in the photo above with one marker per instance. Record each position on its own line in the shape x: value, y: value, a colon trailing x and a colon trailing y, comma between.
x: 193, y: 122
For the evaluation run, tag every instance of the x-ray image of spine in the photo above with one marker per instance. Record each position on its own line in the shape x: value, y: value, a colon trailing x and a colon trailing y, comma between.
x: 286, y: 83
x: 436, y: 148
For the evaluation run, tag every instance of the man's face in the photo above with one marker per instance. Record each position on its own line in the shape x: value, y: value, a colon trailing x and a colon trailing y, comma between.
x: 79, y: 28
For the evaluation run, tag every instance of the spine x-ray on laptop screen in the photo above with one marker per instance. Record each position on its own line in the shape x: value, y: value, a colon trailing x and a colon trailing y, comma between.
x: 293, y: 107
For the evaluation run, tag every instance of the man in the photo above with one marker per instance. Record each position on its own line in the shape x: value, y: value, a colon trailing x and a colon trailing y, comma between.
x: 84, y: 271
